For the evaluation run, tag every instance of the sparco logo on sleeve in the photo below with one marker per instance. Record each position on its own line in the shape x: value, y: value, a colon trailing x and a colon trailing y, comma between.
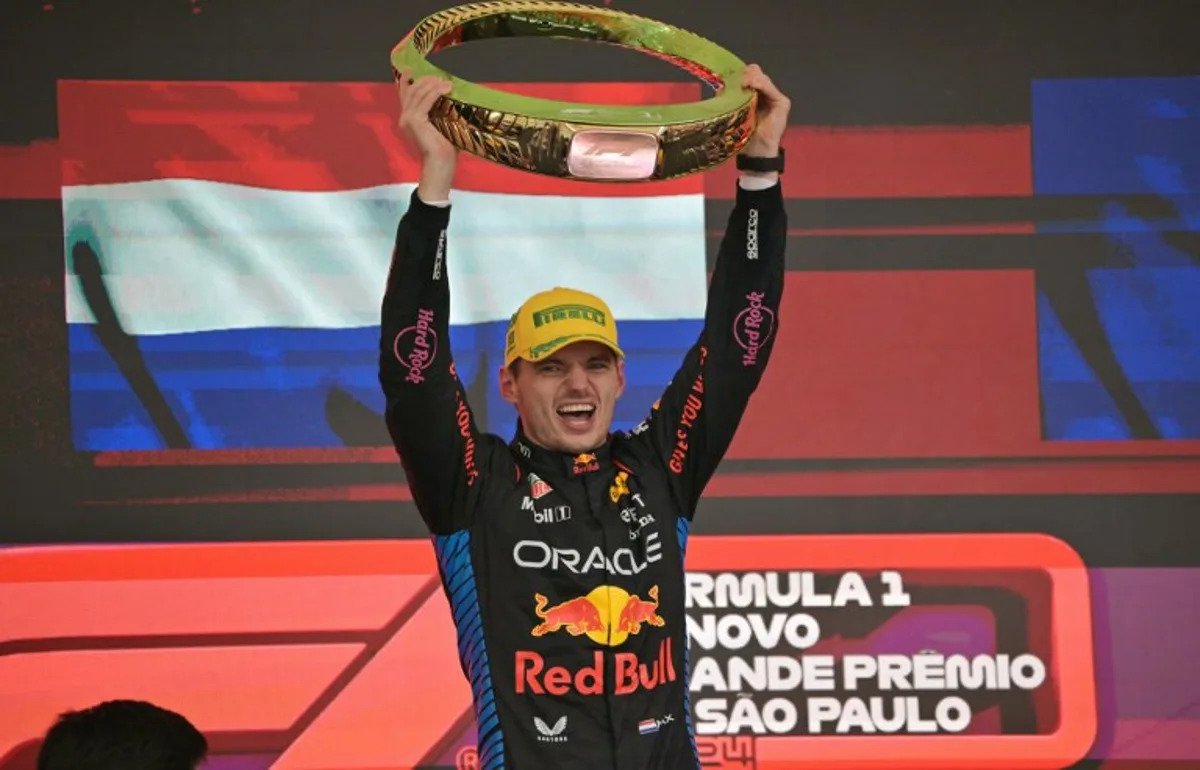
x: 416, y: 346
x: 752, y: 235
x: 441, y: 255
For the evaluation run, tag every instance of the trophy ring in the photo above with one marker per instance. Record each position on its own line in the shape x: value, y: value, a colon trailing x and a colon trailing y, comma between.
x: 596, y: 143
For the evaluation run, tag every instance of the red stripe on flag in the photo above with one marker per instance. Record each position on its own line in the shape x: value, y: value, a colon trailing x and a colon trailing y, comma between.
x: 298, y: 136
x: 895, y: 162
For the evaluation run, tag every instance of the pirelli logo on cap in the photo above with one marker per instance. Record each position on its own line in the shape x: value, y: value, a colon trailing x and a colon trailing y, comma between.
x: 569, y: 312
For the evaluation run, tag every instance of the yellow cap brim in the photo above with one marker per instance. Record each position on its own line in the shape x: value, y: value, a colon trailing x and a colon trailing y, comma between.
x: 558, y: 345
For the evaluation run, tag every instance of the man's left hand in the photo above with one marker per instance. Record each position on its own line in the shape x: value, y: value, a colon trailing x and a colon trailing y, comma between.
x: 772, y: 119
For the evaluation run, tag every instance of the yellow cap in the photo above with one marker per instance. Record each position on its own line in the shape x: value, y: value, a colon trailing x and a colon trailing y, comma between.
x: 550, y: 320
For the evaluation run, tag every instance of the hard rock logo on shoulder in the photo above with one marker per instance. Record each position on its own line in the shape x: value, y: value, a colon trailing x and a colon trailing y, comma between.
x: 416, y: 346
x: 753, y: 327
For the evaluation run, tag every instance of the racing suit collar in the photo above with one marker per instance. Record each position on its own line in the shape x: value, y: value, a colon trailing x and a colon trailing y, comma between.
x: 557, y: 463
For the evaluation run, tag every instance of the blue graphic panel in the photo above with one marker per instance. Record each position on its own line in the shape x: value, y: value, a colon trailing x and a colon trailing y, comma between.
x: 1126, y: 362
x: 458, y: 579
x: 275, y: 388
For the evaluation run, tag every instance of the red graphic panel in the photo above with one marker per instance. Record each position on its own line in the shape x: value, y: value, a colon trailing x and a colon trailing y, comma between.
x: 899, y: 162
x: 325, y: 654
x: 900, y: 364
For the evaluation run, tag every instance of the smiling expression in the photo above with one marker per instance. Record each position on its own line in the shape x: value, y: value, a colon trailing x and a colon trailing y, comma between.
x: 566, y: 401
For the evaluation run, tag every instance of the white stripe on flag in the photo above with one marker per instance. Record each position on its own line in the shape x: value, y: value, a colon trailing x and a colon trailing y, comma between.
x: 188, y: 255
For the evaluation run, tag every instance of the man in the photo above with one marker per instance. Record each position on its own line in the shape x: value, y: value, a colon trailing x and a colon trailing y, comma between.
x: 562, y: 551
x: 122, y: 735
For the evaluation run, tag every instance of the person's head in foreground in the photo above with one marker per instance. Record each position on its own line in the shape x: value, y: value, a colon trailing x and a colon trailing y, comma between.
x: 122, y: 735
x: 563, y: 370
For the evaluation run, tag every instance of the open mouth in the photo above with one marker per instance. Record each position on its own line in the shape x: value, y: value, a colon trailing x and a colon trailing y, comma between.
x: 578, y: 416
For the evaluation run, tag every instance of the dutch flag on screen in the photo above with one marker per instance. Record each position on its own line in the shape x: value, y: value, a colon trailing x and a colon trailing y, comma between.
x: 647, y: 726
x: 227, y: 245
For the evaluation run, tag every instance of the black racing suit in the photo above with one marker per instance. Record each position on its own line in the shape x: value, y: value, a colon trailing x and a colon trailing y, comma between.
x: 565, y: 574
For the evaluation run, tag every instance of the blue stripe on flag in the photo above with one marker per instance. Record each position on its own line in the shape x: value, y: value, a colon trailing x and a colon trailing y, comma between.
x: 1122, y: 137
x: 269, y: 388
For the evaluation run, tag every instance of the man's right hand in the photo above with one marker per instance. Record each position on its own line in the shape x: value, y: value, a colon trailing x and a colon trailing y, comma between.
x: 437, y: 154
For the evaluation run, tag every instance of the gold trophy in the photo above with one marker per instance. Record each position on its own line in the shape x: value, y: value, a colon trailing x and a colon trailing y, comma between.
x: 595, y: 143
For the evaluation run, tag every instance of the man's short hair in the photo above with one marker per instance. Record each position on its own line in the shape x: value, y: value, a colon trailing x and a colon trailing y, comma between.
x: 122, y: 735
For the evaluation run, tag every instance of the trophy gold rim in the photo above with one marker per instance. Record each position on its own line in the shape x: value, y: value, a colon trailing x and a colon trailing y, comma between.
x: 551, y: 137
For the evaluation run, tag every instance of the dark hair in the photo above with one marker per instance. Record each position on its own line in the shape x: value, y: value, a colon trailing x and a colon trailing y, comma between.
x: 122, y: 735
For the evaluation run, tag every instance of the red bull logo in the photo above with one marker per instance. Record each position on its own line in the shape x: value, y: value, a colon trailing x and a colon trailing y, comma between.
x: 586, y: 463
x: 607, y: 615
x: 630, y: 673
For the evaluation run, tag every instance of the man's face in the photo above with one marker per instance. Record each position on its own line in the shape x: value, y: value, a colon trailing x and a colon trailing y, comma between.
x: 566, y: 401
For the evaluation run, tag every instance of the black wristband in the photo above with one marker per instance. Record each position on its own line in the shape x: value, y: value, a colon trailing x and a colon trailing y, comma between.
x: 752, y: 163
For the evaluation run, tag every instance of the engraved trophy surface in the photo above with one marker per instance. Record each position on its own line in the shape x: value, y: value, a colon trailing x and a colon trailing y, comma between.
x: 588, y: 142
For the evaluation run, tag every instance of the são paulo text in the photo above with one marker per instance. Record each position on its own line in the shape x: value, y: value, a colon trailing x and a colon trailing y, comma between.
x: 780, y: 716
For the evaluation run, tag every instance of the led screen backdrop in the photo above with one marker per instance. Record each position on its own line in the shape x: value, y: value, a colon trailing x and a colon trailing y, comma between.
x: 176, y: 195
x: 955, y: 527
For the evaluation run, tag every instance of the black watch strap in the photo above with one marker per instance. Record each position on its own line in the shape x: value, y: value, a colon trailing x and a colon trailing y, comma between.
x: 752, y: 163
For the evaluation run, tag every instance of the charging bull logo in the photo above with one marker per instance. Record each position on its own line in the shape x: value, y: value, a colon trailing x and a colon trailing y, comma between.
x: 607, y: 615
x: 638, y: 611
x: 576, y: 616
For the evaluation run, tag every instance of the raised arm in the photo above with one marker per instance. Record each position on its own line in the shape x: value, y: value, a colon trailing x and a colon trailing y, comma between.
x: 427, y: 414
x: 698, y: 414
